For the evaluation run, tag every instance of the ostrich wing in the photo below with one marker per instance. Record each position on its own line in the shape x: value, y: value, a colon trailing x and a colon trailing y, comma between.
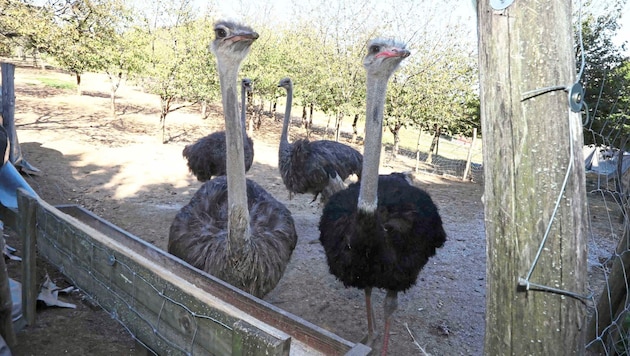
x: 344, y: 159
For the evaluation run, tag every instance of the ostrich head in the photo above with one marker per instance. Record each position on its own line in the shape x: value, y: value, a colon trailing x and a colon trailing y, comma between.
x: 247, y: 84
x: 285, y: 83
x: 384, y: 56
x: 232, y: 41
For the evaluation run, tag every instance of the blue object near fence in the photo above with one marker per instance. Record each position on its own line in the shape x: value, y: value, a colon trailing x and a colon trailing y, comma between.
x: 10, y: 181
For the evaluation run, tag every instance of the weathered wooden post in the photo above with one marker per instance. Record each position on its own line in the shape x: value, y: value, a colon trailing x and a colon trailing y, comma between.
x: 7, y: 113
x: 7, y: 110
x: 535, y: 194
x: 27, y: 228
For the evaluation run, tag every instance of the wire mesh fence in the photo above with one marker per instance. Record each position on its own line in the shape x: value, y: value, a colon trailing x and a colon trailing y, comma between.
x: 455, y: 157
x: 607, y: 181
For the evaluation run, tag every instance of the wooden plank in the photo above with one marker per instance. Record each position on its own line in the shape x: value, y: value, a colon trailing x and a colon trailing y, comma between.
x: 312, y: 336
x: 27, y: 207
x: 248, y: 340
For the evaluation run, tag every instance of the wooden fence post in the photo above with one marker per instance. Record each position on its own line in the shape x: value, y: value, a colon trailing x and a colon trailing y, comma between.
x: 535, y: 195
x: 8, y: 105
x: 27, y: 208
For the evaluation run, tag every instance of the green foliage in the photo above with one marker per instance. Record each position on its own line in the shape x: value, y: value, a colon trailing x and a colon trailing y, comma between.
x: 26, y: 25
x: 604, y: 75
x: 435, y: 91
x: 85, y: 31
x: 164, y: 47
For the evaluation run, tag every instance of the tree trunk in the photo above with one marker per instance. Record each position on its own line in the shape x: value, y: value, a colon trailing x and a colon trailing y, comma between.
x: 304, y: 120
x: 338, y: 126
x: 165, y: 104
x: 355, y: 132
x: 259, y: 114
x: 418, y: 150
x: 114, y: 85
x: 327, y: 126
x: 529, y: 46
x: 310, y: 116
x: 434, y: 143
x: 469, y: 157
x: 396, y: 146
x: 78, y: 77
x: 204, y: 109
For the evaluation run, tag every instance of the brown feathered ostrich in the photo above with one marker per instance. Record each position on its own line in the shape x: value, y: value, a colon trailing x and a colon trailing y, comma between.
x: 232, y: 228
x: 379, y: 233
x: 314, y: 166
x: 206, y: 157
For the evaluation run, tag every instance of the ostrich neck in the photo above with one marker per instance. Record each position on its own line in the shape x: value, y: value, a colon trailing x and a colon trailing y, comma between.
x: 284, y: 137
x: 243, y: 109
x: 375, y: 99
x: 238, y: 212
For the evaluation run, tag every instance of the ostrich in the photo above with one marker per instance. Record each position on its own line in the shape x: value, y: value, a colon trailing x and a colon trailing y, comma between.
x: 232, y: 228
x: 380, y: 232
x: 314, y: 166
x: 206, y: 157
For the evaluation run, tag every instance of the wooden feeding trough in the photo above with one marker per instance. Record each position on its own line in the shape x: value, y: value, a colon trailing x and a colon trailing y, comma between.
x: 169, y: 306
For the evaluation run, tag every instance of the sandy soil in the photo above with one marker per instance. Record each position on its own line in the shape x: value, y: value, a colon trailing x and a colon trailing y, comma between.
x: 120, y: 170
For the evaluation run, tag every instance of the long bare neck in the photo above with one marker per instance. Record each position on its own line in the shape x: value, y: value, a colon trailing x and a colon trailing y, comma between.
x: 375, y: 99
x: 284, y: 137
x: 243, y: 108
x: 238, y: 213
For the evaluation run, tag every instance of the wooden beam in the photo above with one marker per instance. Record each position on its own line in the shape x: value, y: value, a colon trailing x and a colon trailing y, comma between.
x: 26, y: 228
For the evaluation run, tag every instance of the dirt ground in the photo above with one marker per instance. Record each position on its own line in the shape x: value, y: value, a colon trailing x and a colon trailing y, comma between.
x: 120, y: 170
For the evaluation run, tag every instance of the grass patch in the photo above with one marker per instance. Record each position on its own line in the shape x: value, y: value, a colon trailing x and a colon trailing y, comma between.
x: 57, y: 84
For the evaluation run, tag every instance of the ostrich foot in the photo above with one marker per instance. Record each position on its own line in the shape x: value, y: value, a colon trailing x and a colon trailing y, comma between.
x: 369, y: 340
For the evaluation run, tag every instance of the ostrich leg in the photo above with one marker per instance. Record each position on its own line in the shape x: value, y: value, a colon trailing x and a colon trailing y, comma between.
x: 390, y: 305
x: 371, y: 335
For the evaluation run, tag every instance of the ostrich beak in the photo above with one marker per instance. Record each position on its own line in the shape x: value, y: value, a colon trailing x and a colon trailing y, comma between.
x: 394, y: 52
x: 247, y: 36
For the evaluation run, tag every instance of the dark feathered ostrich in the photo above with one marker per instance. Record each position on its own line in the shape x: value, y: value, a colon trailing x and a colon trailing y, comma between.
x: 379, y: 233
x: 232, y: 228
x: 314, y: 166
x: 206, y: 157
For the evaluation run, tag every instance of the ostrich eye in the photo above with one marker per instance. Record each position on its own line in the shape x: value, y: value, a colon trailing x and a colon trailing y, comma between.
x: 220, y: 32
x: 375, y: 49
